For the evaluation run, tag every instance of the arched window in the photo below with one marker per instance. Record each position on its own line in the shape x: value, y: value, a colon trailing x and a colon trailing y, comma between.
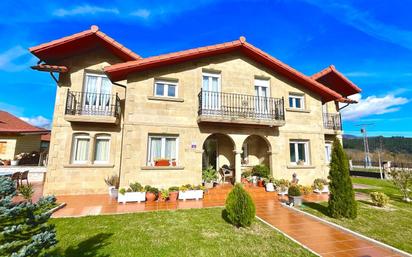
x: 80, y: 148
x: 102, y: 148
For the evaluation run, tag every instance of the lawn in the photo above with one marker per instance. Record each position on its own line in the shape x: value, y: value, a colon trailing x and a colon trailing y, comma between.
x: 195, y: 232
x: 391, y: 225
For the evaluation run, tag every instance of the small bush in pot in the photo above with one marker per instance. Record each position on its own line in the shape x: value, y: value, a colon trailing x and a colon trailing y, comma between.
x: 379, y: 199
x: 173, y: 193
x: 305, y: 190
x: 261, y: 171
x: 151, y: 193
x: 163, y: 195
x: 240, y: 209
x: 294, y: 195
x: 113, y: 183
x: 209, y: 176
x: 136, y: 187
x: 282, y: 186
x: 269, y: 184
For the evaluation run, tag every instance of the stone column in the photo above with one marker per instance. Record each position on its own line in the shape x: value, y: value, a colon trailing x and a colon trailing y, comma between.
x: 238, y: 166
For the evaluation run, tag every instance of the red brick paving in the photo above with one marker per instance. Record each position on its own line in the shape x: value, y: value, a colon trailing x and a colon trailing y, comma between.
x: 320, y: 237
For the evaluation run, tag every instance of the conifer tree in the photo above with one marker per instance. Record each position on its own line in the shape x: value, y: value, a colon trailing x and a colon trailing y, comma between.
x: 24, y: 230
x: 342, y: 203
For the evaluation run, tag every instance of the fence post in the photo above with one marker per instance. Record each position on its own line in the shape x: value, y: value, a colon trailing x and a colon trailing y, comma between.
x: 350, y: 165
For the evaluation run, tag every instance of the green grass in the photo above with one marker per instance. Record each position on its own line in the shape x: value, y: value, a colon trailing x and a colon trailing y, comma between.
x: 196, y: 232
x: 391, y: 225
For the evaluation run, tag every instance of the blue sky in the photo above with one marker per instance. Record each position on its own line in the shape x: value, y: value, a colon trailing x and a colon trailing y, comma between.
x: 369, y: 41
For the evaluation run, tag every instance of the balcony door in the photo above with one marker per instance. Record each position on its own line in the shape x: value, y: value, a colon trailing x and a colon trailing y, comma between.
x: 211, y: 92
x: 96, y: 97
x: 262, y: 98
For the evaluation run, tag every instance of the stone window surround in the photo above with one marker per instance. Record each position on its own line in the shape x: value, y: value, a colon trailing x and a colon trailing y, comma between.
x: 90, y: 162
x: 303, y: 102
x: 148, y: 149
x: 308, y: 163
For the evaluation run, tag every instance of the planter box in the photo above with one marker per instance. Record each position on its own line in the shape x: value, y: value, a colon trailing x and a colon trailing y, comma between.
x: 113, y: 192
x: 191, y: 194
x: 14, y: 162
x: 132, y: 197
x: 295, y: 200
x: 285, y: 192
x: 162, y: 163
x: 270, y: 187
x: 324, y: 190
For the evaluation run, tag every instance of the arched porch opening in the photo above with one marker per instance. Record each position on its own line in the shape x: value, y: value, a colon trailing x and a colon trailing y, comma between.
x: 255, y: 151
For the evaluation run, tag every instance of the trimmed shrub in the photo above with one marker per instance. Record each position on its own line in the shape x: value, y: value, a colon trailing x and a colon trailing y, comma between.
x: 294, y: 190
x: 261, y: 171
x: 379, y: 199
x: 341, y: 202
x: 240, y: 208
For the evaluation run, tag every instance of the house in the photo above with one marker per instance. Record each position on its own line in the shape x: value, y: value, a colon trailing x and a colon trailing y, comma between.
x: 226, y: 104
x: 18, y: 136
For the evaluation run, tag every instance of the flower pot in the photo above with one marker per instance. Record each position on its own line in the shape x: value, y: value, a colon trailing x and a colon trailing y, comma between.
x: 190, y: 194
x: 209, y: 184
x: 324, y: 190
x: 151, y: 197
x: 270, y: 187
x: 260, y: 183
x: 14, y: 162
x: 162, y: 163
x: 282, y: 191
x: 6, y: 162
x: 295, y: 200
x: 132, y: 197
x: 173, y: 196
x: 113, y: 192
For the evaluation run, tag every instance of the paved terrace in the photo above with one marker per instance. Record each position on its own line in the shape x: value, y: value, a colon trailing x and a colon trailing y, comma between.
x: 320, y: 237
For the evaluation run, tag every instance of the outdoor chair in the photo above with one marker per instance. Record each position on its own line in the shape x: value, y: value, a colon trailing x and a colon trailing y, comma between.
x: 24, y: 176
x: 16, y: 177
x: 226, y: 172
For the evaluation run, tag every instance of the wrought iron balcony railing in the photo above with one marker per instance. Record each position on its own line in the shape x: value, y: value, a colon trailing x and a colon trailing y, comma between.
x: 240, y: 106
x: 332, y: 121
x: 86, y: 103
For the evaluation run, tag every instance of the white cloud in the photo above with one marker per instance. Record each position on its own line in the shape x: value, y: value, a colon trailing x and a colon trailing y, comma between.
x: 15, y: 59
x: 360, y: 74
x: 372, y: 105
x: 84, y: 10
x: 142, y: 13
x: 38, y: 121
x: 365, y: 22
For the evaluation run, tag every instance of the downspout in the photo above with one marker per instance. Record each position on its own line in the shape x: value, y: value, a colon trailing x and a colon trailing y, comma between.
x: 122, y: 127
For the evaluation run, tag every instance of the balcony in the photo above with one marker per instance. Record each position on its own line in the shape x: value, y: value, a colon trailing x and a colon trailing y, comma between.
x: 332, y: 121
x: 92, y: 107
x: 241, y: 109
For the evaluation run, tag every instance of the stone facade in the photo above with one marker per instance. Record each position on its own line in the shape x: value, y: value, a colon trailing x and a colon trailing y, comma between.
x: 144, y: 114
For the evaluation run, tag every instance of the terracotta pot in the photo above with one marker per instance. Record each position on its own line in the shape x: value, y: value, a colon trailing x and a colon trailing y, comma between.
x: 260, y: 183
x: 151, y: 197
x: 173, y: 196
x: 162, y: 163
x: 6, y: 162
x: 173, y: 163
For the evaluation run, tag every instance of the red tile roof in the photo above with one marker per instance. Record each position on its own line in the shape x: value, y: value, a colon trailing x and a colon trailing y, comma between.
x: 120, y: 71
x: 335, y: 80
x: 57, y: 49
x: 11, y: 124
x: 45, y: 137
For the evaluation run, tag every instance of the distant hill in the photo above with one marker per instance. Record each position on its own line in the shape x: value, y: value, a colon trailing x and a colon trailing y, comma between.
x: 390, y: 144
x: 345, y: 136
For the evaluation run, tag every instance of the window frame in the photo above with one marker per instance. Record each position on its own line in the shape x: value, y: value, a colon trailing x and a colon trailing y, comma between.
x: 75, y: 137
x: 295, y: 96
x: 99, y: 137
x: 328, y: 153
x: 163, y: 137
x: 296, y: 149
x: 3, y: 148
x: 166, y: 84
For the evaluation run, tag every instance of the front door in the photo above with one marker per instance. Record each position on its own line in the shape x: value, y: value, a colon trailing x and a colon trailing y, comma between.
x: 96, y: 98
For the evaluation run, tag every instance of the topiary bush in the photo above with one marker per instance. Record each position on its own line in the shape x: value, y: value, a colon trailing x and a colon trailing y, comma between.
x: 240, y: 208
x: 341, y: 202
x: 261, y: 171
x: 379, y: 199
x: 294, y: 190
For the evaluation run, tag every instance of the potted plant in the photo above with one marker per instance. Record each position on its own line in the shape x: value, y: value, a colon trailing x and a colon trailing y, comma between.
x: 151, y: 193
x: 246, y: 176
x: 162, y: 162
x: 135, y: 193
x: 6, y: 162
x: 113, y: 183
x: 260, y: 171
x: 270, y: 187
x: 294, y: 195
x: 173, y: 193
x: 282, y: 186
x: 191, y: 192
x: 209, y: 176
x: 320, y: 185
x: 16, y: 159
x: 163, y: 195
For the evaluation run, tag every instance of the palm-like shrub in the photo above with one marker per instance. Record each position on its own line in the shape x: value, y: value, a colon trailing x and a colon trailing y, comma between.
x: 27, y: 192
x: 240, y: 208
x: 261, y: 171
x: 341, y: 202
x: 209, y: 174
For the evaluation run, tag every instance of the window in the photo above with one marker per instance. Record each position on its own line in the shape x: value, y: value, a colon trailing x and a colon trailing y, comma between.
x: 296, y: 101
x: 102, y: 149
x: 3, y: 146
x: 328, y: 152
x: 210, y: 91
x: 97, y: 92
x: 299, y: 152
x: 262, y: 94
x: 162, y: 147
x: 165, y: 88
x: 80, y: 148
